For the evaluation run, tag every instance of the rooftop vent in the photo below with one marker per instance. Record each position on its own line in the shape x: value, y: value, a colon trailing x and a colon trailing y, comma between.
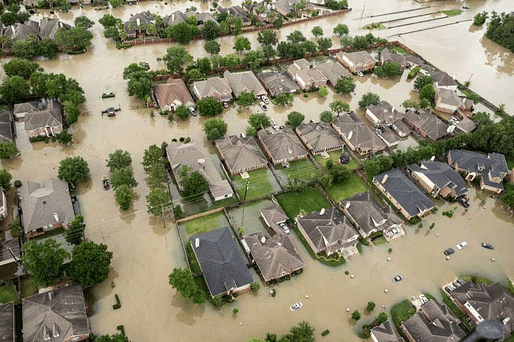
x: 197, y: 242
x: 385, y: 179
x: 289, y: 150
x: 322, y: 211
x: 55, y: 330
x: 263, y: 239
x: 56, y: 217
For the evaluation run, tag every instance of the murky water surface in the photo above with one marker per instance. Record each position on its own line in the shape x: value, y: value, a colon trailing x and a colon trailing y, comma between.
x: 146, y: 249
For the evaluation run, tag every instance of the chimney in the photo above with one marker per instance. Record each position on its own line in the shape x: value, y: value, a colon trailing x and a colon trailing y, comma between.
x: 50, y: 295
x: 197, y: 242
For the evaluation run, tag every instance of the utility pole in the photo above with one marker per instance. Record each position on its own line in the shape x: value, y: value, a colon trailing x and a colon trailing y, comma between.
x: 244, y: 200
x: 469, y: 79
x: 363, y: 7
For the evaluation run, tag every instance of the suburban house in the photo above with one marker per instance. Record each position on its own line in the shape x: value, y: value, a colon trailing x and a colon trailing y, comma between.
x: 6, y: 127
x: 22, y: 109
x: 236, y: 12
x: 221, y: 262
x: 491, y: 168
x: 278, y: 82
x: 368, y: 216
x: 201, y: 18
x: 48, y: 28
x: 389, y: 136
x: 281, y: 146
x: 438, y: 179
x: 404, y: 194
x: 333, y: 71
x: 276, y: 257
x: 357, y: 135
x: 306, y: 75
x: 215, y: 87
x: 328, y: 231
x: 433, y: 322
x: 426, y: 69
x: 482, y: 302
x: 245, y: 81
x: 46, y: 121
x: 448, y: 101
x: 138, y: 23
x: 285, y: 7
x: 7, y: 322
x: 319, y: 137
x: 172, y: 94
x: 22, y: 31
x: 385, y: 332
x: 356, y: 61
x: 174, y: 18
x: 180, y: 155
x: 464, y: 124
x: 273, y: 216
x: 443, y: 80
x: 3, y: 205
x: 404, y: 59
x: 383, y: 114
x: 58, y: 315
x: 427, y: 124
x: 400, y: 128
x: 240, y: 154
x: 45, y: 205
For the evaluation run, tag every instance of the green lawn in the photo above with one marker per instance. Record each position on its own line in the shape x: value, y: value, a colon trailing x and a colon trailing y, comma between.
x: 477, y: 279
x: 28, y: 287
x: 8, y: 294
x: 301, y: 169
x: 510, y: 163
x: 510, y: 339
x: 453, y: 12
x: 206, y: 223
x: 334, y: 155
x: 258, y: 184
x: 401, y: 312
x: 351, y: 186
x: 306, y: 201
x: 398, y: 49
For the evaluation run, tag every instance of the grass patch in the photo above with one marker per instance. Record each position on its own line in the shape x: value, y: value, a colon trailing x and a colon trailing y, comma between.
x: 309, y: 200
x: 191, y: 258
x: 450, y: 304
x: 376, y: 26
x: 510, y: 339
x: 401, y: 312
x: 398, y: 49
x: 8, y: 294
x: 453, y: 12
x: 258, y: 184
x: 379, y: 240
x: 477, y: 279
x: 300, y: 169
x: 329, y: 262
x: 471, y: 95
x: 510, y: 163
x: 428, y: 295
x: 28, y: 287
x: 334, y: 156
x: 204, y: 224
x: 351, y: 186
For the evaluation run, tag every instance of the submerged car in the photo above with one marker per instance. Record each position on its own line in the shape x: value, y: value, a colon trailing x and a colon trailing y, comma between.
x: 296, y: 306
x: 449, y: 251
x: 463, y: 202
x: 263, y: 106
x: 487, y: 246
x: 462, y: 245
x: 398, y: 278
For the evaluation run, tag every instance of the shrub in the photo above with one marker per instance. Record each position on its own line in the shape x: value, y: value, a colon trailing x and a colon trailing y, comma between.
x: 118, y: 303
x: 413, y: 72
x: 389, y: 251
x: 235, y: 311
x: 371, y: 306
x: 17, y: 183
x: 255, y: 287
x: 325, y: 333
x: 356, y: 315
x: 432, y: 226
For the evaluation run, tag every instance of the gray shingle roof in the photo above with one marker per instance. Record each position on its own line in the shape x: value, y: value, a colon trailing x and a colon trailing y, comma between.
x: 321, y: 136
x: 358, y: 133
x: 385, y: 113
x: 62, y: 311
x: 442, y: 79
x: 22, y: 31
x: 42, y: 201
x: 244, y: 82
x: 27, y: 107
x: 6, y: 133
x: 174, y: 18
x: 48, y: 27
x: 7, y: 322
x: 386, y: 332
x: 215, y: 87
x: 221, y: 261
x: 274, y: 215
x: 278, y: 82
x: 473, y: 162
x: 369, y: 214
x: 5, y: 255
x: 410, y: 197
x: 241, y: 153
x: 283, y: 144
x: 434, y: 127
x: 44, y: 118
x: 442, y: 175
x: 333, y: 71
x: 276, y: 257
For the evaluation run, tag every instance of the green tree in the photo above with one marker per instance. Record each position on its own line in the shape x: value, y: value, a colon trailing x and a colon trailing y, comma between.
x: 152, y: 156
x: 210, y: 30
x: 370, y: 307
x: 283, y: 99
x: 176, y: 58
x: 182, y: 280
x: 339, y: 106
x: 72, y: 112
x: 20, y: 67
x: 317, y: 31
x: 64, y: 137
x: 388, y: 70
x: 340, y: 173
x: 267, y: 38
x: 84, y: 22
x: 119, y: 159
x: 255, y: 58
x: 203, y: 64
x: 16, y: 229
x: 8, y: 150
x: 120, y: 177
x: 421, y: 81
x: 296, y: 37
x: 182, y: 112
x: 44, y: 261
x: 182, y: 33
x: 209, y: 107
x: 294, y: 119
x: 157, y: 176
x: 193, y: 183
x: 307, y: 46
x: 302, y: 332
x: 116, y: 3
x: 75, y: 232
x: 140, y: 84
x: 89, y: 264
x: 123, y: 195
x: 356, y: 315
x: 231, y: 61
x: 242, y: 43
x: 482, y: 118
x: 259, y: 121
x: 8, y: 18
x: 381, y: 318
x: 245, y: 99
x: 369, y: 99
x: 410, y: 104
x: 326, y: 116
x: 73, y: 169
x: 278, y: 22
x: 14, y: 90
x: 345, y: 85
x: 75, y: 39
x: 112, y: 338
x: 214, y: 128
x: 480, y: 19
x: 5, y: 180
x: 427, y: 92
x: 108, y: 20
x: 212, y: 47
x: 238, y: 25
x: 250, y: 131
x: 157, y: 200
x: 324, y: 44
x: 341, y: 30
x: 324, y: 178
x: 323, y: 91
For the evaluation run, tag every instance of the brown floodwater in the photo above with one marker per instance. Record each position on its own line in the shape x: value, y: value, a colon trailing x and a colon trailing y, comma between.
x: 146, y: 248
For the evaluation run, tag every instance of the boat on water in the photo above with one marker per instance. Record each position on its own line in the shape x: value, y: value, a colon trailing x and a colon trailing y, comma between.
x: 106, y: 183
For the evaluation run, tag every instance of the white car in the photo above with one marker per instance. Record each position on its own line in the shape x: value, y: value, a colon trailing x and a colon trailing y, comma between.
x: 423, y: 299
x: 263, y: 106
x: 284, y: 227
x: 265, y: 99
x: 296, y: 306
x: 462, y: 245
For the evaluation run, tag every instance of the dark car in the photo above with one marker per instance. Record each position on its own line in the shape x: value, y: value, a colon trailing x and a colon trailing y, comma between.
x: 447, y: 289
x: 463, y: 202
x: 449, y: 251
x: 487, y: 246
x: 398, y: 278
x: 344, y: 159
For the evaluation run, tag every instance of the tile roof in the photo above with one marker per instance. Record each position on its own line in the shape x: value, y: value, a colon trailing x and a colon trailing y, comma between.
x: 434, y: 127
x: 44, y: 203
x: 173, y: 93
x: 244, y: 81
x: 386, y: 332
x: 385, y: 113
x: 333, y: 71
x: 441, y: 175
x: 6, y: 132
x: 241, y: 153
x: 410, y: 197
x: 283, y: 144
x: 358, y: 133
x: 321, y: 136
x: 274, y: 215
x: 221, y: 261
x: 7, y: 322
x: 278, y: 82
x: 276, y: 257
x: 60, y: 312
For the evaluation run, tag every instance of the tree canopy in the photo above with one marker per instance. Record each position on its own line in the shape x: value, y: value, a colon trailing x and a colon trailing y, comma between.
x: 14, y: 89
x: 341, y: 29
x: 75, y: 39
x: 259, y: 121
x: 157, y: 200
x: 84, y: 22
x: 44, y: 261
x: 210, y: 30
x: 500, y: 29
x: 389, y: 69
x: 123, y: 195
x: 20, y: 67
x: 8, y: 150
x: 421, y: 81
x: 119, y: 159
x: 212, y: 47
x: 181, y: 279
x: 75, y: 232
x: 294, y: 119
x: 214, y: 128
x: 73, y: 169
x: 209, y: 107
x: 245, y: 99
x: 176, y: 58
x: 339, y: 106
x: 194, y: 185
x: 89, y: 264
x: 326, y: 116
x: 345, y: 85
x: 267, y: 38
x: 242, y: 43
x: 5, y: 180
x: 369, y: 99
x: 123, y: 176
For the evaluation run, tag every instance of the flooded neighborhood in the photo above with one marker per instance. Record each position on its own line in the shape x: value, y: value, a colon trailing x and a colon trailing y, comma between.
x: 147, y: 244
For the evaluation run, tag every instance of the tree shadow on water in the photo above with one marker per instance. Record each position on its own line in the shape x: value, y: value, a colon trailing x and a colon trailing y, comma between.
x: 189, y: 312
